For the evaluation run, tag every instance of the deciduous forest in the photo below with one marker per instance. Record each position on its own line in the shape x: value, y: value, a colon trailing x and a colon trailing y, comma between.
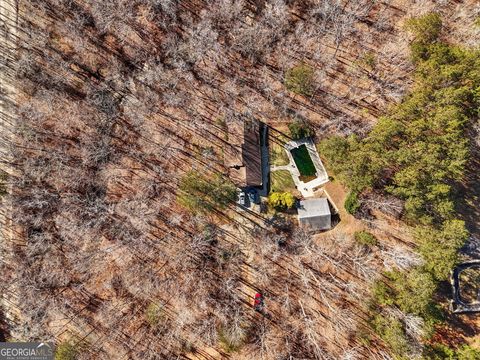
x: 122, y: 237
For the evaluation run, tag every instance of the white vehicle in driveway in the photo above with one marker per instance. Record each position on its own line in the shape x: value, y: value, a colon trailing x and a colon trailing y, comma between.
x: 242, y: 198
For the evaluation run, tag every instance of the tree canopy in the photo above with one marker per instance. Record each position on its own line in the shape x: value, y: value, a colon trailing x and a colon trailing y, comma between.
x: 418, y: 152
x: 300, y: 129
x: 300, y: 80
x: 420, y: 149
x: 439, y: 247
x: 281, y: 200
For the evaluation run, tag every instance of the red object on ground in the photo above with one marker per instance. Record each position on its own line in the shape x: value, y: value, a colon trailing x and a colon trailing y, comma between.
x: 258, y: 300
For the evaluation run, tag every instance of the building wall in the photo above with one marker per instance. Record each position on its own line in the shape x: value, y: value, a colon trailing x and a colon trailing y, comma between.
x: 317, y: 222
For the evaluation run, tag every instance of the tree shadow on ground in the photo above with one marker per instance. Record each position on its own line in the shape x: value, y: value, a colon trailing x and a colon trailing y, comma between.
x: 4, y: 333
x: 460, y: 326
x: 468, y: 200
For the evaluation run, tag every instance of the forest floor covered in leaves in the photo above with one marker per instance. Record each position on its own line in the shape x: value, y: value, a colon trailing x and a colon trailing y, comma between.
x: 118, y: 100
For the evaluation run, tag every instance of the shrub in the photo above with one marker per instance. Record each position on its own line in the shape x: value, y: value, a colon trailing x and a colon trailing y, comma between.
x: 231, y: 339
x: 299, y: 80
x: 365, y: 238
x: 352, y: 204
x: 66, y: 351
x: 281, y: 200
x: 154, y: 314
x: 368, y: 60
x: 300, y: 129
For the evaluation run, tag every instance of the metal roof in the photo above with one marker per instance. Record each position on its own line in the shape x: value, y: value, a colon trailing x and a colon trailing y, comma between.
x: 313, y: 207
x: 315, y: 214
x: 243, y: 155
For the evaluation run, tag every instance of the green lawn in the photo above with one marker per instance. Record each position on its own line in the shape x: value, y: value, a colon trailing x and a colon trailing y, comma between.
x: 278, y: 155
x: 281, y: 181
x: 303, y: 161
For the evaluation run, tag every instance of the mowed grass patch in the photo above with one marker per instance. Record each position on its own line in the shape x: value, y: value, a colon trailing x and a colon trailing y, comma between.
x: 303, y: 161
x: 281, y: 181
x: 278, y: 155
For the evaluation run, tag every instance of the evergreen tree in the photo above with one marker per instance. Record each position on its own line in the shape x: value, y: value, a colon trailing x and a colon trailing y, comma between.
x: 300, y: 80
x: 440, y: 247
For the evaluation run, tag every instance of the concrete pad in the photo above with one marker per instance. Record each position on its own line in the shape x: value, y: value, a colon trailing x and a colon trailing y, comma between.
x: 307, y: 189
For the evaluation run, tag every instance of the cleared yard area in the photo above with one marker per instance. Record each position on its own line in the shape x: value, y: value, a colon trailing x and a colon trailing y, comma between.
x: 281, y: 180
x: 304, y: 162
x: 278, y: 155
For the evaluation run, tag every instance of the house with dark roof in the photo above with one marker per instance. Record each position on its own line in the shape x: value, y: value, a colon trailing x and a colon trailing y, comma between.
x: 315, y: 214
x: 243, y: 153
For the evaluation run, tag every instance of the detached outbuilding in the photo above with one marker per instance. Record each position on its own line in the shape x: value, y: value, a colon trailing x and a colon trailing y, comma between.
x: 315, y: 214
